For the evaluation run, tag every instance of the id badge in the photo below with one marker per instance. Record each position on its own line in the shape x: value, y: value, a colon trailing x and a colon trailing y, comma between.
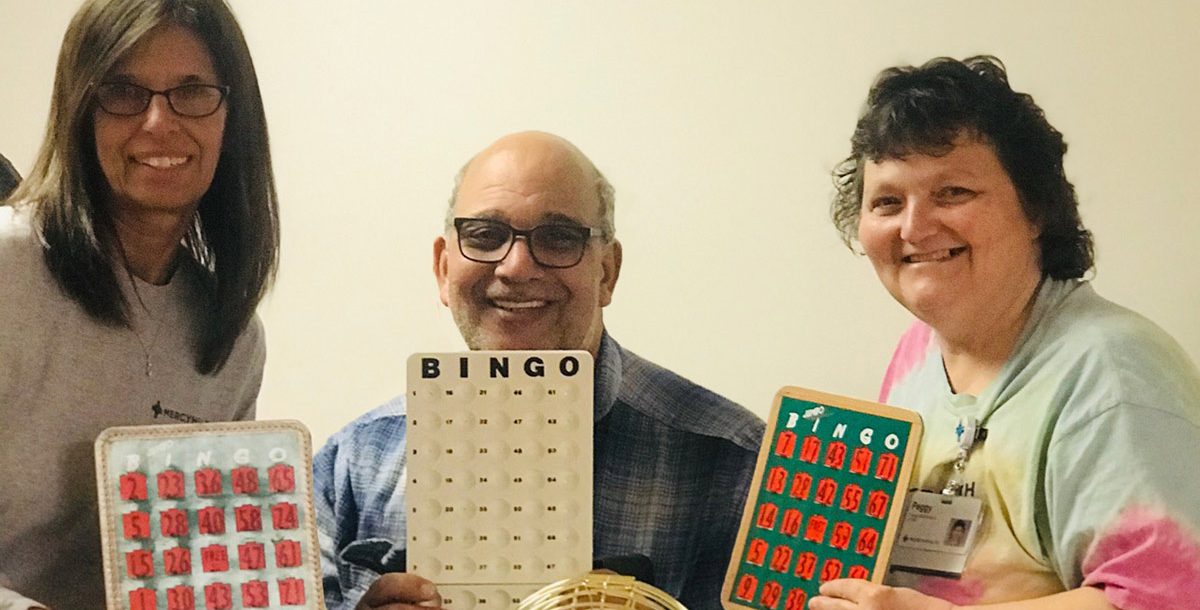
x: 937, y: 534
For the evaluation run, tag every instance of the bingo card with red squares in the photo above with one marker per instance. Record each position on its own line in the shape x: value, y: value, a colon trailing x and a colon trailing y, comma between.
x: 826, y: 498
x: 499, y: 472
x: 209, y: 516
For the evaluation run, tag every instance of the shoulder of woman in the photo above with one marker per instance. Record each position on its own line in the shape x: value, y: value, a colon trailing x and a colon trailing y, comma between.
x: 16, y: 233
x: 255, y: 334
x: 1098, y: 328
x: 251, y: 345
x: 1119, y: 357
x: 22, y: 261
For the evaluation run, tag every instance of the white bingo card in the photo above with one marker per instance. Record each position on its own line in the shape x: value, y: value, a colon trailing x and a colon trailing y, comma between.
x: 212, y: 516
x: 499, y: 472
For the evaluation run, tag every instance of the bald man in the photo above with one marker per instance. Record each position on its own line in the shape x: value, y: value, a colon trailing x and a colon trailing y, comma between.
x: 672, y: 460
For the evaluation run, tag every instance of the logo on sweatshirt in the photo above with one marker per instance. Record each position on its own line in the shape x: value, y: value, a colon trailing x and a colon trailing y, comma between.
x: 186, y: 418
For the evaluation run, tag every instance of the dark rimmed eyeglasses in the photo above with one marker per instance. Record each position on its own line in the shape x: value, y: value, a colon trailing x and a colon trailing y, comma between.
x: 553, y: 245
x: 191, y: 100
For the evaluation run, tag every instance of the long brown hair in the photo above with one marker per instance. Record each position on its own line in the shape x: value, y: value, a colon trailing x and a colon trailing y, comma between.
x: 234, y: 236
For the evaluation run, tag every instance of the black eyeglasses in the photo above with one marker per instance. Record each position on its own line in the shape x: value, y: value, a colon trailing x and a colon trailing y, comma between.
x: 557, y: 246
x: 192, y: 100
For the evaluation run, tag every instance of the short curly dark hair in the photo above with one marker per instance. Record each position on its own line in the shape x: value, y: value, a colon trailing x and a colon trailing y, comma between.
x: 922, y: 110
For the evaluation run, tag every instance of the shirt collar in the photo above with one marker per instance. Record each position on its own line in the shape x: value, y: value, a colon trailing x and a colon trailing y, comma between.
x: 608, y: 376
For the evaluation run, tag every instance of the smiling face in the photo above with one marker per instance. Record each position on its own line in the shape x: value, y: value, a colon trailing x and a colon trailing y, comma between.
x: 159, y: 161
x: 947, y: 235
x: 526, y: 180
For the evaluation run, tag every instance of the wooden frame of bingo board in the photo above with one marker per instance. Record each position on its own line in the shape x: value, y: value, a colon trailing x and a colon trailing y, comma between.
x: 826, y: 498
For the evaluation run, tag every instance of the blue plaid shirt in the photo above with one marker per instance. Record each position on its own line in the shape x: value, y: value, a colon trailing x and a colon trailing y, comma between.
x: 673, y: 464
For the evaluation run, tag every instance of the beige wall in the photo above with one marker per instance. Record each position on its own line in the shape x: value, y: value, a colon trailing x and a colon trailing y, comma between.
x: 718, y: 123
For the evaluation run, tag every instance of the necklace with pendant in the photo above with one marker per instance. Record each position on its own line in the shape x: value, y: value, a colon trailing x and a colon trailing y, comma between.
x: 147, y: 347
x: 153, y: 324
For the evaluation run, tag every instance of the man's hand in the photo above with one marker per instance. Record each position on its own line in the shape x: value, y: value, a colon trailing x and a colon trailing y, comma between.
x: 400, y: 591
x: 856, y: 594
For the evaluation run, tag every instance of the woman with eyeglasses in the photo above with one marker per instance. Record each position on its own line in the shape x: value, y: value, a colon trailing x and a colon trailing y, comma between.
x: 133, y: 258
x: 1063, y: 426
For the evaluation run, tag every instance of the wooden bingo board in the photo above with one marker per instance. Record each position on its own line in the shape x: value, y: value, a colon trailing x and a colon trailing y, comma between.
x: 826, y: 498
x: 499, y: 472
x: 208, y: 516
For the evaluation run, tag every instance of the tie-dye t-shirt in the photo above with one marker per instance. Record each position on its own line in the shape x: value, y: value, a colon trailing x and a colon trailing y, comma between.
x: 1090, y: 472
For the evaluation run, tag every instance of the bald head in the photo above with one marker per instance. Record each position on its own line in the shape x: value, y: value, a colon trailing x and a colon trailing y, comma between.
x: 535, y: 147
x: 525, y: 160
x: 522, y: 183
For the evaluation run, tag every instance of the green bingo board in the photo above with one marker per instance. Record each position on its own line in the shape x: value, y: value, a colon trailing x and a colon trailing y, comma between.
x: 826, y: 498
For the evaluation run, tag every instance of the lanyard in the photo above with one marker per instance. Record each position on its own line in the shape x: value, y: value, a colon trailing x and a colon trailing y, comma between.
x: 969, y: 431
